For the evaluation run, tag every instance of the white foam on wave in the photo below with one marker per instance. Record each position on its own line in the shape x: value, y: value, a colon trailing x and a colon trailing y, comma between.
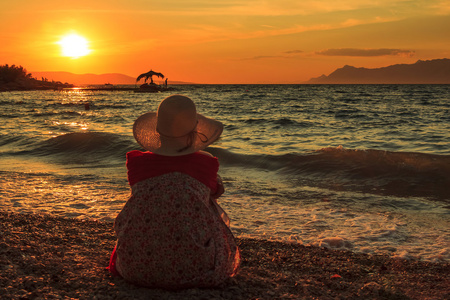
x: 324, y: 225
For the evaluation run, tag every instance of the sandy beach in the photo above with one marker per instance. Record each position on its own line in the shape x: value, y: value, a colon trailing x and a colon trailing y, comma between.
x: 45, y: 257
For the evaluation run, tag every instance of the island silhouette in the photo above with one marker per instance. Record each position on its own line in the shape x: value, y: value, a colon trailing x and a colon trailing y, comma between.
x: 16, y: 78
x: 436, y: 71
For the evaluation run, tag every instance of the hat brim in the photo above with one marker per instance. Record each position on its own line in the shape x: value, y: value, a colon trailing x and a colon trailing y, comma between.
x: 144, y: 131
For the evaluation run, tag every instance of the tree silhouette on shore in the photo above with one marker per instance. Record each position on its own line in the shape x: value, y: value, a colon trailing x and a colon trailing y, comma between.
x: 16, y: 78
x: 12, y: 73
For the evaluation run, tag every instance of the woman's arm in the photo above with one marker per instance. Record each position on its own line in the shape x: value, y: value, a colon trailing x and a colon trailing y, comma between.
x: 220, y: 189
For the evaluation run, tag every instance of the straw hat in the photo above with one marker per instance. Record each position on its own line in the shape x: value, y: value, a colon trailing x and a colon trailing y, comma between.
x: 176, y: 128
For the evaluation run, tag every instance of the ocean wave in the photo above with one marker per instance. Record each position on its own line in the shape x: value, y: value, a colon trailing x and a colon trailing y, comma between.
x: 10, y: 115
x: 403, y: 174
x: 280, y: 121
x: 81, y: 147
x: 92, y: 105
x: 58, y: 113
x: 9, y: 139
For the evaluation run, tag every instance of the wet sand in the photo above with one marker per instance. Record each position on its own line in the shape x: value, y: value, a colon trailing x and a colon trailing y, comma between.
x: 45, y: 257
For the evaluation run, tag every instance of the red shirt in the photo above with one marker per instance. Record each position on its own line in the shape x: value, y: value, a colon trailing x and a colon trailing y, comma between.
x: 144, y: 165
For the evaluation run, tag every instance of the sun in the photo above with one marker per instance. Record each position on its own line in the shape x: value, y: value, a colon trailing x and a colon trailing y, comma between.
x: 74, y: 46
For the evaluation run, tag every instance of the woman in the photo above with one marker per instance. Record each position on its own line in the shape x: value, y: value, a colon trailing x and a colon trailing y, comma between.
x: 172, y: 233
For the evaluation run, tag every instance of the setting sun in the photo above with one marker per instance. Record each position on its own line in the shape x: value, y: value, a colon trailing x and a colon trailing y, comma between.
x: 74, y: 46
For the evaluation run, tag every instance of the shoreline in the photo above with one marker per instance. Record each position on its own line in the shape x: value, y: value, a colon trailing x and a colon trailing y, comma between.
x: 48, y: 257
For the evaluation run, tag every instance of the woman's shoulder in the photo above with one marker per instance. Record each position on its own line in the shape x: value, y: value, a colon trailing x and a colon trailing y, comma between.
x: 136, y: 153
x: 205, y: 153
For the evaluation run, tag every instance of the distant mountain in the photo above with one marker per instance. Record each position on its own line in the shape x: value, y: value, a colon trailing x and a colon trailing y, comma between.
x: 93, y: 79
x: 436, y: 71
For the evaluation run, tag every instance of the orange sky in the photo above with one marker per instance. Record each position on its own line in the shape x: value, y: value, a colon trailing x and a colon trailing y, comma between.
x: 224, y: 41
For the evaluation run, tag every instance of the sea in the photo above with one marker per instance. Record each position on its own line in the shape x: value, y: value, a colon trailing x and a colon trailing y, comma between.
x: 364, y: 168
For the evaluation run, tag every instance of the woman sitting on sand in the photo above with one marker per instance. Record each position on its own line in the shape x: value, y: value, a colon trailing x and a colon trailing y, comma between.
x: 172, y: 233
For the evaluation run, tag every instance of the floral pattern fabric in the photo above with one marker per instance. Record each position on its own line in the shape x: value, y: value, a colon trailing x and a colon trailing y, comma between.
x: 170, y: 234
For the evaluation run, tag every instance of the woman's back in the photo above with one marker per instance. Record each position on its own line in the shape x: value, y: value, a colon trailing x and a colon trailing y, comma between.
x: 170, y: 235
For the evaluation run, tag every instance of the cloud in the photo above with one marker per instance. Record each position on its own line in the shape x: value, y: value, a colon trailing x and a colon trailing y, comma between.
x: 283, y: 7
x: 228, y: 7
x: 285, y: 55
x: 263, y: 57
x: 294, y: 52
x: 366, y: 52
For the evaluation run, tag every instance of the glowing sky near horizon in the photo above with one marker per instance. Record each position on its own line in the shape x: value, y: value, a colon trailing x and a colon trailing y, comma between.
x: 224, y: 41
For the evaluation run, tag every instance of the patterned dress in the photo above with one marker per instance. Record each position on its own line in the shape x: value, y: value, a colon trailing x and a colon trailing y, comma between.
x: 171, y: 233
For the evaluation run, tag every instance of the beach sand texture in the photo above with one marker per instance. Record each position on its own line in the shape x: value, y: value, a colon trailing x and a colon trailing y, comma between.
x: 45, y: 257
